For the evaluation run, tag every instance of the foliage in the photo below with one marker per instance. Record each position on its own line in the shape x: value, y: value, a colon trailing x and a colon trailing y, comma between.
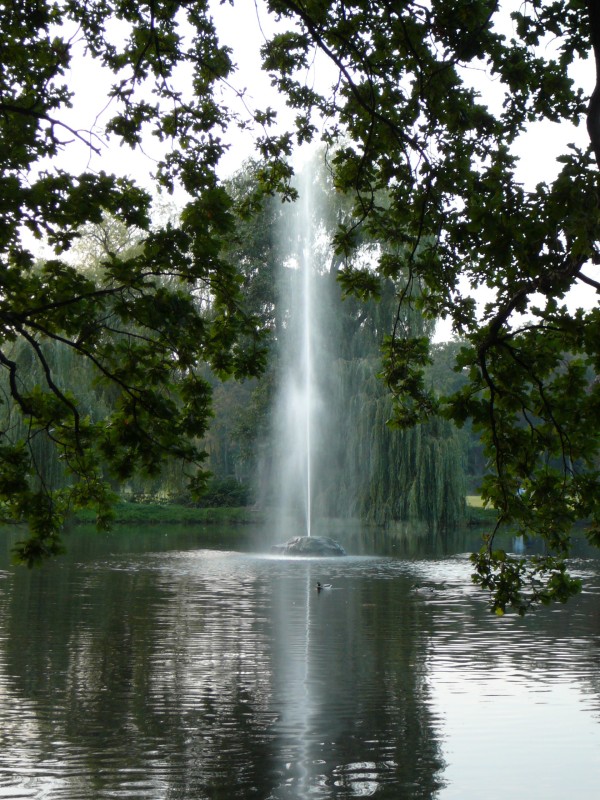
x: 379, y: 473
x: 458, y: 218
x: 173, y: 514
x: 146, y: 318
x: 225, y: 493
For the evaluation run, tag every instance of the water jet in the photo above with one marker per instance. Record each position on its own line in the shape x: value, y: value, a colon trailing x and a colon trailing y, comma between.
x: 301, y: 424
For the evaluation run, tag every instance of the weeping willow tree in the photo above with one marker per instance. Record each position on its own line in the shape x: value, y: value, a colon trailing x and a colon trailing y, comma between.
x: 48, y: 459
x: 370, y: 469
x: 48, y: 470
x: 384, y: 474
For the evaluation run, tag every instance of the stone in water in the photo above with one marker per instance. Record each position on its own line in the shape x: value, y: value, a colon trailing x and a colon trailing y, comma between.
x: 309, y: 546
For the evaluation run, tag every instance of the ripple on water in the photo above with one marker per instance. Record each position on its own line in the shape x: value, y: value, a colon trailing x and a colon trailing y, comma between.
x: 204, y: 672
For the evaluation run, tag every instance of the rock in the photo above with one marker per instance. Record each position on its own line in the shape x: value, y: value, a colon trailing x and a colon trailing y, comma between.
x: 309, y: 546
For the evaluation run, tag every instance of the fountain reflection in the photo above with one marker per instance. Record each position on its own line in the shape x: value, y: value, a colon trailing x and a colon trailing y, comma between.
x: 203, y: 673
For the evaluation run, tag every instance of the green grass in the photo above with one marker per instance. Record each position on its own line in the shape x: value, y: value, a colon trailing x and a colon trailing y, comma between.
x: 156, y: 514
x: 478, y: 512
x: 171, y: 514
x: 475, y: 501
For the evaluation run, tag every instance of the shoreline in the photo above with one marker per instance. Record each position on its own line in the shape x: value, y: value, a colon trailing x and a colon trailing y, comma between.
x: 170, y: 513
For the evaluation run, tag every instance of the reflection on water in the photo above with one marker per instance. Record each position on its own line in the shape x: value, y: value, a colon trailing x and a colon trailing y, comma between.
x: 144, y: 667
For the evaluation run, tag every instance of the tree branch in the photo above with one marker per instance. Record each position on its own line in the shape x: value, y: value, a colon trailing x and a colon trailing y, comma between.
x: 29, y: 112
x: 593, y: 114
x: 588, y: 280
x: 51, y: 384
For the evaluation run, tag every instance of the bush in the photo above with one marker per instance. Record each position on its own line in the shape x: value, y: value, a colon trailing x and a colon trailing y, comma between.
x: 225, y: 492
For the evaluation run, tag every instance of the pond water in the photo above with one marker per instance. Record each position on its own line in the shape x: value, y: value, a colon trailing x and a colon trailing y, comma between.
x: 155, y: 665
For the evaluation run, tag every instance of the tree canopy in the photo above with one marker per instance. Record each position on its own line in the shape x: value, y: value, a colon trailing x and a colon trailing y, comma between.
x: 431, y: 163
x: 433, y: 167
x: 146, y: 319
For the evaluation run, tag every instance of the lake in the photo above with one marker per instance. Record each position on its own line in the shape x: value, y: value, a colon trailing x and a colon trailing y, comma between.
x: 161, y: 664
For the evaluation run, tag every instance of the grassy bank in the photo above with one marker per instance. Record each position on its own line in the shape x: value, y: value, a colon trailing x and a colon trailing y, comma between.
x: 478, y: 513
x: 156, y: 514
x: 170, y: 514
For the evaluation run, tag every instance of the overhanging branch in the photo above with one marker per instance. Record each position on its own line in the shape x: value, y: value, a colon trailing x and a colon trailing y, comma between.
x: 593, y: 114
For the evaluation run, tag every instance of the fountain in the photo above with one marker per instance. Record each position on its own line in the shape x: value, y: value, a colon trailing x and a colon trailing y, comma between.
x: 299, y: 407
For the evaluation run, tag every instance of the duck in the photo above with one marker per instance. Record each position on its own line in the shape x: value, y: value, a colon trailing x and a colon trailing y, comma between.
x: 322, y: 586
x: 419, y: 589
x: 427, y: 589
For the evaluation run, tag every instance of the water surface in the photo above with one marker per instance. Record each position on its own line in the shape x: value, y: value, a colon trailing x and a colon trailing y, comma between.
x: 150, y: 665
